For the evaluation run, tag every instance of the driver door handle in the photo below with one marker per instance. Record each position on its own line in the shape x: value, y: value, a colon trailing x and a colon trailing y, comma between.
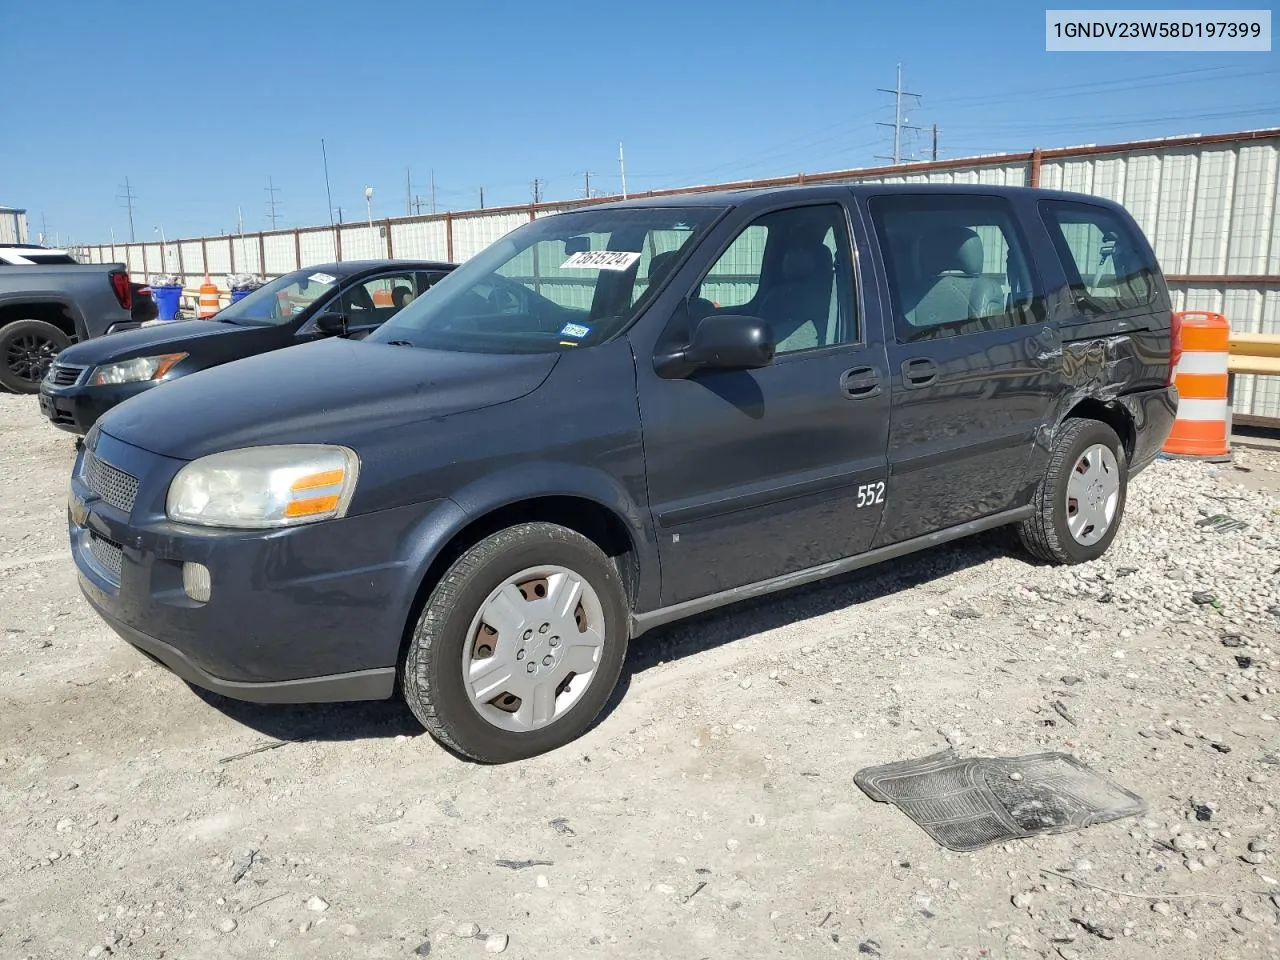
x: 860, y: 383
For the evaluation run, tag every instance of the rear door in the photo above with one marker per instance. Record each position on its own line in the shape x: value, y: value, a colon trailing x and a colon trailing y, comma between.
x: 974, y: 364
x: 754, y: 474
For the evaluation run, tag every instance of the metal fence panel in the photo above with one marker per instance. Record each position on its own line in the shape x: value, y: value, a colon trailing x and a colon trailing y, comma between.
x: 317, y: 246
x: 281, y: 254
x: 420, y: 240
x: 1211, y: 212
x: 472, y: 234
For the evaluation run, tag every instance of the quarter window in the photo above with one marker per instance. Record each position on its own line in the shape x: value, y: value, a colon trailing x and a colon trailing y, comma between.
x: 1108, y: 268
x: 956, y: 265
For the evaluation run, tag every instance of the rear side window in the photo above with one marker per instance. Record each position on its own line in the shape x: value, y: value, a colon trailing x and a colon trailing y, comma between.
x: 956, y: 265
x: 1108, y: 267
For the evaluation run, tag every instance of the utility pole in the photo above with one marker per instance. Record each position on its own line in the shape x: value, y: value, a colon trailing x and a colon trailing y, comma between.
x: 44, y: 226
x: 935, y: 141
x: 408, y: 193
x: 128, y: 197
x: 536, y: 186
x: 899, y: 121
x: 433, y: 190
x: 586, y: 184
x: 272, y: 190
x: 482, y: 198
x: 622, y: 169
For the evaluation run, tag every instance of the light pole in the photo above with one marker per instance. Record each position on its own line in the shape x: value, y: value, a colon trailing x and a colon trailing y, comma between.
x: 368, y: 205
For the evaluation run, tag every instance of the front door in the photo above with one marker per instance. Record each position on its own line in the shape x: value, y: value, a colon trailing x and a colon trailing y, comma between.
x: 757, y: 473
x: 975, y: 367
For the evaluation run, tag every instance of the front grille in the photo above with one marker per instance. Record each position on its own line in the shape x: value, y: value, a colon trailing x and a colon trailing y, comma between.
x: 114, y: 486
x: 65, y: 374
x: 108, y: 555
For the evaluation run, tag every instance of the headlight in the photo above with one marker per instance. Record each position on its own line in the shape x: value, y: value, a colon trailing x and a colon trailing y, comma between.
x: 265, y: 486
x: 136, y: 370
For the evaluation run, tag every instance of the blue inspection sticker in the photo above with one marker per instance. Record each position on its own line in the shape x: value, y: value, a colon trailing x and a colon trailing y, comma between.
x: 575, y: 330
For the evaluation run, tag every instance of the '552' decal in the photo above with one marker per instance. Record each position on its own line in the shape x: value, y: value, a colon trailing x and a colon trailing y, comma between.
x: 870, y: 493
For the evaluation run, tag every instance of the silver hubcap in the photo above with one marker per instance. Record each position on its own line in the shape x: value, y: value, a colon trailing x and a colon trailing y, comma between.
x: 533, y: 648
x: 1093, y: 493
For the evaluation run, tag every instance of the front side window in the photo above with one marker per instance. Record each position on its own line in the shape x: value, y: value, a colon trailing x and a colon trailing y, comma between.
x: 377, y: 299
x: 791, y: 268
x: 956, y: 265
x: 557, y: 283
x: 1108, y: 268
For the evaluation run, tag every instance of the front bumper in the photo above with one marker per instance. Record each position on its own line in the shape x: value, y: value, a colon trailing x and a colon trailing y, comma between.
x: 77, y: 408
x: 303, y: 614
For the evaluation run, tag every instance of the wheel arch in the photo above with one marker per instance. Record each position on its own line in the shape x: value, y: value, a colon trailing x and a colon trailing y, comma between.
x: 53, y: 310
x: 1114, y: 413
x: 583, y: 499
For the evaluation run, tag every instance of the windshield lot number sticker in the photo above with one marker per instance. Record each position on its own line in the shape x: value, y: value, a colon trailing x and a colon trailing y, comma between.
x: 870, y: 493
x: 600, y: 260
x: 321, y: 278
x: 575, y: 330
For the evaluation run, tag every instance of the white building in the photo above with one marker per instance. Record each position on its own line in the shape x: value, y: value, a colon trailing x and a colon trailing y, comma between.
x: 13, y: 225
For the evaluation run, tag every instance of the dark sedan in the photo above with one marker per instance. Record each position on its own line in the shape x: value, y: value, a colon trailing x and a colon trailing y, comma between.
x: 347, y: 299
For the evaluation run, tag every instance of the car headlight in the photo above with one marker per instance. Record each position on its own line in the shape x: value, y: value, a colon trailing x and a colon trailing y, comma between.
x: 135, y: 370
x: 276, y: 486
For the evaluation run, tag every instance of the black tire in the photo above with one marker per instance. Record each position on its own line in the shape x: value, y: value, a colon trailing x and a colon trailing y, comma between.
x: 1045, y: 534
x: 431, y: 678
x: 27, y: 347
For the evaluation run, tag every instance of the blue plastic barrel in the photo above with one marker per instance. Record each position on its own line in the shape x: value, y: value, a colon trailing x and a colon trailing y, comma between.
x: 239, y: 294
x: 167, y: 300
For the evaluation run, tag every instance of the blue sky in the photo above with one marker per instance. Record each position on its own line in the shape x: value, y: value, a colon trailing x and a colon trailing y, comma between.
x: 198, y: 104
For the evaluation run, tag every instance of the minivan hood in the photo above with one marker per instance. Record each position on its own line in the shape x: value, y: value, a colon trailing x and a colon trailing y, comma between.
x: 330, y: 391
x: 169, y: 337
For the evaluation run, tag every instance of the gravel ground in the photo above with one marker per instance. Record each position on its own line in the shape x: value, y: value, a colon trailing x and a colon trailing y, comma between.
x: 712, y: 812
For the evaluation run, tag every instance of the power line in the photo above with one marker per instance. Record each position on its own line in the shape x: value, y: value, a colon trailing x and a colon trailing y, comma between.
x: 128, y: 197
x: 899, y: 122
x: 272, y: 190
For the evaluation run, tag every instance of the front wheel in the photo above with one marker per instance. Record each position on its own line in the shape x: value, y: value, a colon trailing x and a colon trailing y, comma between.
x: 519, y: 645
x: 27, y: 349
x: 1080, y: 499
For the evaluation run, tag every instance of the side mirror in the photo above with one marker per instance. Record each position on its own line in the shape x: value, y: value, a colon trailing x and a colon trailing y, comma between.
x: 731, y: 342
x: 332, y: 324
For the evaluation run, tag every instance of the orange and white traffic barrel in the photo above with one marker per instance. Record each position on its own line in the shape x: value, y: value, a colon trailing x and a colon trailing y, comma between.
x: 1202, y: 429
x: 209, y: 304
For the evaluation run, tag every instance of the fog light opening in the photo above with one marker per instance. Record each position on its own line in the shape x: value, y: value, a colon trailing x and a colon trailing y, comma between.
x: 197, y: 582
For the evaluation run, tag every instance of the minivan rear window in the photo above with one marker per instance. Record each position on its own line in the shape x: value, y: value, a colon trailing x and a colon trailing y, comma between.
x: 1109, y: 269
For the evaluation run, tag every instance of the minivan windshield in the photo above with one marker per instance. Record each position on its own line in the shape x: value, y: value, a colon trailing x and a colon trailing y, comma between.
x: 280, y: 301
x: 556, y: 283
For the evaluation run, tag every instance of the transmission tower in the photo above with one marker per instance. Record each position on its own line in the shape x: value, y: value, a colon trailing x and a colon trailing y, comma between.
x: 272, y: 203
x: 899, y: 121
x: 128, y: 197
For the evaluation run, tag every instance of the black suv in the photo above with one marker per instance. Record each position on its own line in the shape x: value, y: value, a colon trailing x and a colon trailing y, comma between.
x: 620, y: 416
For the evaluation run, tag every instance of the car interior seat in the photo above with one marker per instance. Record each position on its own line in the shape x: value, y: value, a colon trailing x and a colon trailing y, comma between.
x: 952, y: 288
x: 798, y: 307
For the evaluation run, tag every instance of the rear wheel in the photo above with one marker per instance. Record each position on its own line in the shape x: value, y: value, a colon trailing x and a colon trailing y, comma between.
x: 1080, y: 499
x: 27, y: 349
x: 519, y: 645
